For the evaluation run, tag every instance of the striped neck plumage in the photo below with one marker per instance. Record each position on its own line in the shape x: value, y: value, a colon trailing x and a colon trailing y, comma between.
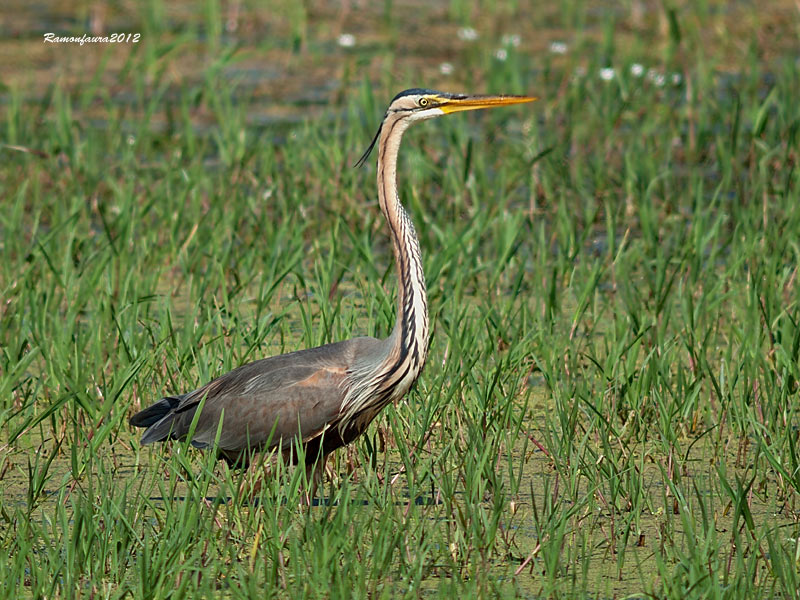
x: 371, y: 386
x: 410, y: 334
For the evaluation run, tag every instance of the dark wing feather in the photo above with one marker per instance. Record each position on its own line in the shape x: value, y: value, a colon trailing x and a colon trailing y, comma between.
x: 155, y: 412
x: 263, y: 402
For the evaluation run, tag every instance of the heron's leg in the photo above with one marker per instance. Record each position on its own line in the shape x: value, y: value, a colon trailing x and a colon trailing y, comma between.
x: 314, y: 473
x: 258, y: 470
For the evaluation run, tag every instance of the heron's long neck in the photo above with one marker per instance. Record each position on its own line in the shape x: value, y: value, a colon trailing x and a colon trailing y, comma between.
x: 409, y: 338
x: 372, y: 385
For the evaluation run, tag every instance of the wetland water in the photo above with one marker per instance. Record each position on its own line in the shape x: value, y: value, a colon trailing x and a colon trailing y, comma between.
x: 610, y: 403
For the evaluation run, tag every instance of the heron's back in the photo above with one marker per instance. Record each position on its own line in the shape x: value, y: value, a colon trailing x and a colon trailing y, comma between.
x: 264, y: 403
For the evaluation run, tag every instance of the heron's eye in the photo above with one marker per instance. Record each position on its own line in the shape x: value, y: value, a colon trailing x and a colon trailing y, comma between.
x: 423, y: 102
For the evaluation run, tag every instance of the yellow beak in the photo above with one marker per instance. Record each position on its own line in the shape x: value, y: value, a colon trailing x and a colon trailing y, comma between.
x: 451, y: 105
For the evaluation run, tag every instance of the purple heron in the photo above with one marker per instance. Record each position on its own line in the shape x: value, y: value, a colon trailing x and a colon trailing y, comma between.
x: 325, y: 397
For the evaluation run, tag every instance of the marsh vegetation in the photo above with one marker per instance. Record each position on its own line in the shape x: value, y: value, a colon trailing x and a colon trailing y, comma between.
x: 610, y: 405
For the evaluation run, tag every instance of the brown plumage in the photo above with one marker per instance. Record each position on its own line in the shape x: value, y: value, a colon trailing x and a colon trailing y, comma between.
x: 325, y: 397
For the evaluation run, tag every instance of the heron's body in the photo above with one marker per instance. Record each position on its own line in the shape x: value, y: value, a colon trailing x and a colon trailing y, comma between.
x: 300, y: 393
x: 325, y: 397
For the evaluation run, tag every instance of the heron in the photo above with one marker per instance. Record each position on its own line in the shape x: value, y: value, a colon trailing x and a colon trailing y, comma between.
x: 324, y: 398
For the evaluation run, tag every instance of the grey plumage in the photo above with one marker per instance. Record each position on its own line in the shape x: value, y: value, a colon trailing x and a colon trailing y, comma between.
x: 271, y: 401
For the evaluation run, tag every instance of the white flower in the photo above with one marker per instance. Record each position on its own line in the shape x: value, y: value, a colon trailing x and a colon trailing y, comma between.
x: 467, y: 34
x: 558, y: 48
x: 511, y: 39
x: 658, y: 78
x: 637, y: 70
x: 607, y: 74
x: 676, y: 78
x: 501, y: 54
x: 446, y: 68
x: 347, y: 40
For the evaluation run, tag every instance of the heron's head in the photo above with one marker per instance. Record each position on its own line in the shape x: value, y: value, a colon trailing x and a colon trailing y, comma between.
x: 420, y: 104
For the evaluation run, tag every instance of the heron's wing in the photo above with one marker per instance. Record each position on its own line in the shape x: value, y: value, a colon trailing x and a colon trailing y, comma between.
x: 263, y: 402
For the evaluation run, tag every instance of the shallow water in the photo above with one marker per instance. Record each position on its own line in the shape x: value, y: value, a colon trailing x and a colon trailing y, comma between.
x: 289, y: 69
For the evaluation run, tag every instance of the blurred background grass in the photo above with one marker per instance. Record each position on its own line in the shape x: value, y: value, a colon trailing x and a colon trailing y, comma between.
x: 610, y: 404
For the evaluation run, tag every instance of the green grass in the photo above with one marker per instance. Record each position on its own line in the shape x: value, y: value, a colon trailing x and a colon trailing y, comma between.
x: 610, y: 404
